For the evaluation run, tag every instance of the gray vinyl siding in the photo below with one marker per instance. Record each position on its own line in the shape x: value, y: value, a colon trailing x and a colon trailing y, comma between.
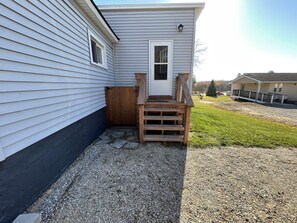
x: 46, y: 79
x: 136, y: 27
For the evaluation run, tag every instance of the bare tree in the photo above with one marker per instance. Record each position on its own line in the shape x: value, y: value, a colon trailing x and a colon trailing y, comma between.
x: 199, y: 50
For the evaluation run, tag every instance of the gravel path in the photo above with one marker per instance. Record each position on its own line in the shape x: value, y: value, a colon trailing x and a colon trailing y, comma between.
x: 117, y: 180
x: 286, y: 113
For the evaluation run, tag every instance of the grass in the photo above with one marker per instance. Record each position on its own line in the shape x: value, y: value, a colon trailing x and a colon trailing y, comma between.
x: 221, y: 98
x: 211, y: 126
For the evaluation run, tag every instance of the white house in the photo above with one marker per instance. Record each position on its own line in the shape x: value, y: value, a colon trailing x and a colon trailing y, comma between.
x: 56, y: 59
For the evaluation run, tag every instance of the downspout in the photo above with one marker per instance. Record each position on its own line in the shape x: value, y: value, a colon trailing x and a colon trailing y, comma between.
x: 114, y: 64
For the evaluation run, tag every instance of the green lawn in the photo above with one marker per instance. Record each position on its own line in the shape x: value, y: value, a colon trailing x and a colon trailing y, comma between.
x: 221, y: 98
x: 211, y: 126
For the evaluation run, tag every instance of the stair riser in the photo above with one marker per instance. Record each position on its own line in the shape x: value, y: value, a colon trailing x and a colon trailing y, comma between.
x: 165, y: 112
x: 164, y: 128
x: 158, y: 105
x: 162, y: 138
x: 163, y: 118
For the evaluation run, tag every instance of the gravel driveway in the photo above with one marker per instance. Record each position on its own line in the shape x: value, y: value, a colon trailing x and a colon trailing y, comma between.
x: 240, y: 185
x: 285, y: 113
x: 117, y: 180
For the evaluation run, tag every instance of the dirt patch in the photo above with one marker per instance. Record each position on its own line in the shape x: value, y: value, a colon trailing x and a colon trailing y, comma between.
x: 117, y: 180
x: 281, y: 113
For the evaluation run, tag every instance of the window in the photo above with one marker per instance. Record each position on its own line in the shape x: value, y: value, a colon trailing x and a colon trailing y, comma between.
x: 280, y: 87
x: 97, y: 50
x: 161, y: 62
x: 275, y: 87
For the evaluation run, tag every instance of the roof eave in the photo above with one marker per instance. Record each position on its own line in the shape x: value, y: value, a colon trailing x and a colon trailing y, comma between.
x: 279, y: 81
x: 242, y: 76
x: 152, y: 6
x: 90, y: 8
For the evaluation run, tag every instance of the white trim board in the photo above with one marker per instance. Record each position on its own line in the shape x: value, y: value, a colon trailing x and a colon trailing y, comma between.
x: 238, y: 78
x: 152, y: 6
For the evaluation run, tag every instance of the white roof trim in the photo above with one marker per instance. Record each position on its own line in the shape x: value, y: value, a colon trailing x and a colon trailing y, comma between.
x: 242, y: 76
x: 152, y: 6
x: 279, y: 82
x: 88, y: 7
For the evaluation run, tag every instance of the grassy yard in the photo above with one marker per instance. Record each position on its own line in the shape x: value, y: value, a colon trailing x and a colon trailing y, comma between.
x: 221, y: 98
x: 211, y: 126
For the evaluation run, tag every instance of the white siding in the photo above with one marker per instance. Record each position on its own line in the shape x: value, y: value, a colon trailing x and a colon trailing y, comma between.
x: 136, y: 27
x: 46, y: 79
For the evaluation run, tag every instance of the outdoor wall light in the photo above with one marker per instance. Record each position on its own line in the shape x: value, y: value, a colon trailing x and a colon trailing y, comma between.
x: 180, y: 27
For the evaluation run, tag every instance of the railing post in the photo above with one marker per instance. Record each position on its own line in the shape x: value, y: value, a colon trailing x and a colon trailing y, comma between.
x: 239, y: 93
x: 250, y: 94
x: 141, y: 123
x: 177, y: 95
x: 187, y: 124
x: 262, y: 97
x: 139, y: 77
x: 283, y: 98
x: 272, y: 97
x: 185, y: 76
x: 141, y: 98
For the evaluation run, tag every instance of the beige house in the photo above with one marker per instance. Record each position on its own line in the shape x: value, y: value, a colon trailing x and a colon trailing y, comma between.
x: 265, y: 87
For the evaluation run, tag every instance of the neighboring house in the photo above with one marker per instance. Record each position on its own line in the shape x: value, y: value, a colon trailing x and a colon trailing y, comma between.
x: 265, y: 87
x: 57, y: 58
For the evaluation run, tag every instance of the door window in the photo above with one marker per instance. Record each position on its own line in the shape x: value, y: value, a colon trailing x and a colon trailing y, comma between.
x: 161, y: 63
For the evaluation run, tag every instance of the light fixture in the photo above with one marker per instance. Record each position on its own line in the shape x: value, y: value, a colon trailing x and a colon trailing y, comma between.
x: 180, y: 27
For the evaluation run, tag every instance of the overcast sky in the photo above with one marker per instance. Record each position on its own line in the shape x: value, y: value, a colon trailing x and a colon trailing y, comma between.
x: 243, y: 36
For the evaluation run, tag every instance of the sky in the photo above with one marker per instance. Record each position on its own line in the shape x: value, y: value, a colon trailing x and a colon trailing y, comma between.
x: 242, y: 36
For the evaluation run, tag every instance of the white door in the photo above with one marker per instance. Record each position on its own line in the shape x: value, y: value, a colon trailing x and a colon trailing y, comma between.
x: 160, y: 67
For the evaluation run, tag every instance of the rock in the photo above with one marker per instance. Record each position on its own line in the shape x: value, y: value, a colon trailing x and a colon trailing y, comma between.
x: 104, y: 137
x: 131, y: 145
x: 28, y: 218
x: 117, y: 134
x: 129, y: 133
x: 119, y: 143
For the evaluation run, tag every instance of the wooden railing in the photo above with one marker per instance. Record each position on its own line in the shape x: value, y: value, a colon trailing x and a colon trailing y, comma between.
x: 261, y: 97
x: 183, y: 95
x: 141, y: 99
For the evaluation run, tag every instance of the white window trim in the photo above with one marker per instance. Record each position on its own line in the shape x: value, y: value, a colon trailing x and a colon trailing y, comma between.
x: 100, y: 43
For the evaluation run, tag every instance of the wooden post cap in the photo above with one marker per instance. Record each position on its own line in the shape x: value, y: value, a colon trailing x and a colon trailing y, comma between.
x: 184, y: 75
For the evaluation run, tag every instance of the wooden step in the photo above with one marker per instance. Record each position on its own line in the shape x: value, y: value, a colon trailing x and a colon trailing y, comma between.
x: 164, y: 138
x: 160, y: 97
x: 163, y: 104
x: 164, y: 127
x: 162, y: 118
x: 154, y: 109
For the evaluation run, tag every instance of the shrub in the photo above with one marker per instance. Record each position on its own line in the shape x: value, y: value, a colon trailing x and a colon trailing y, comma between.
x: 211, y: 90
